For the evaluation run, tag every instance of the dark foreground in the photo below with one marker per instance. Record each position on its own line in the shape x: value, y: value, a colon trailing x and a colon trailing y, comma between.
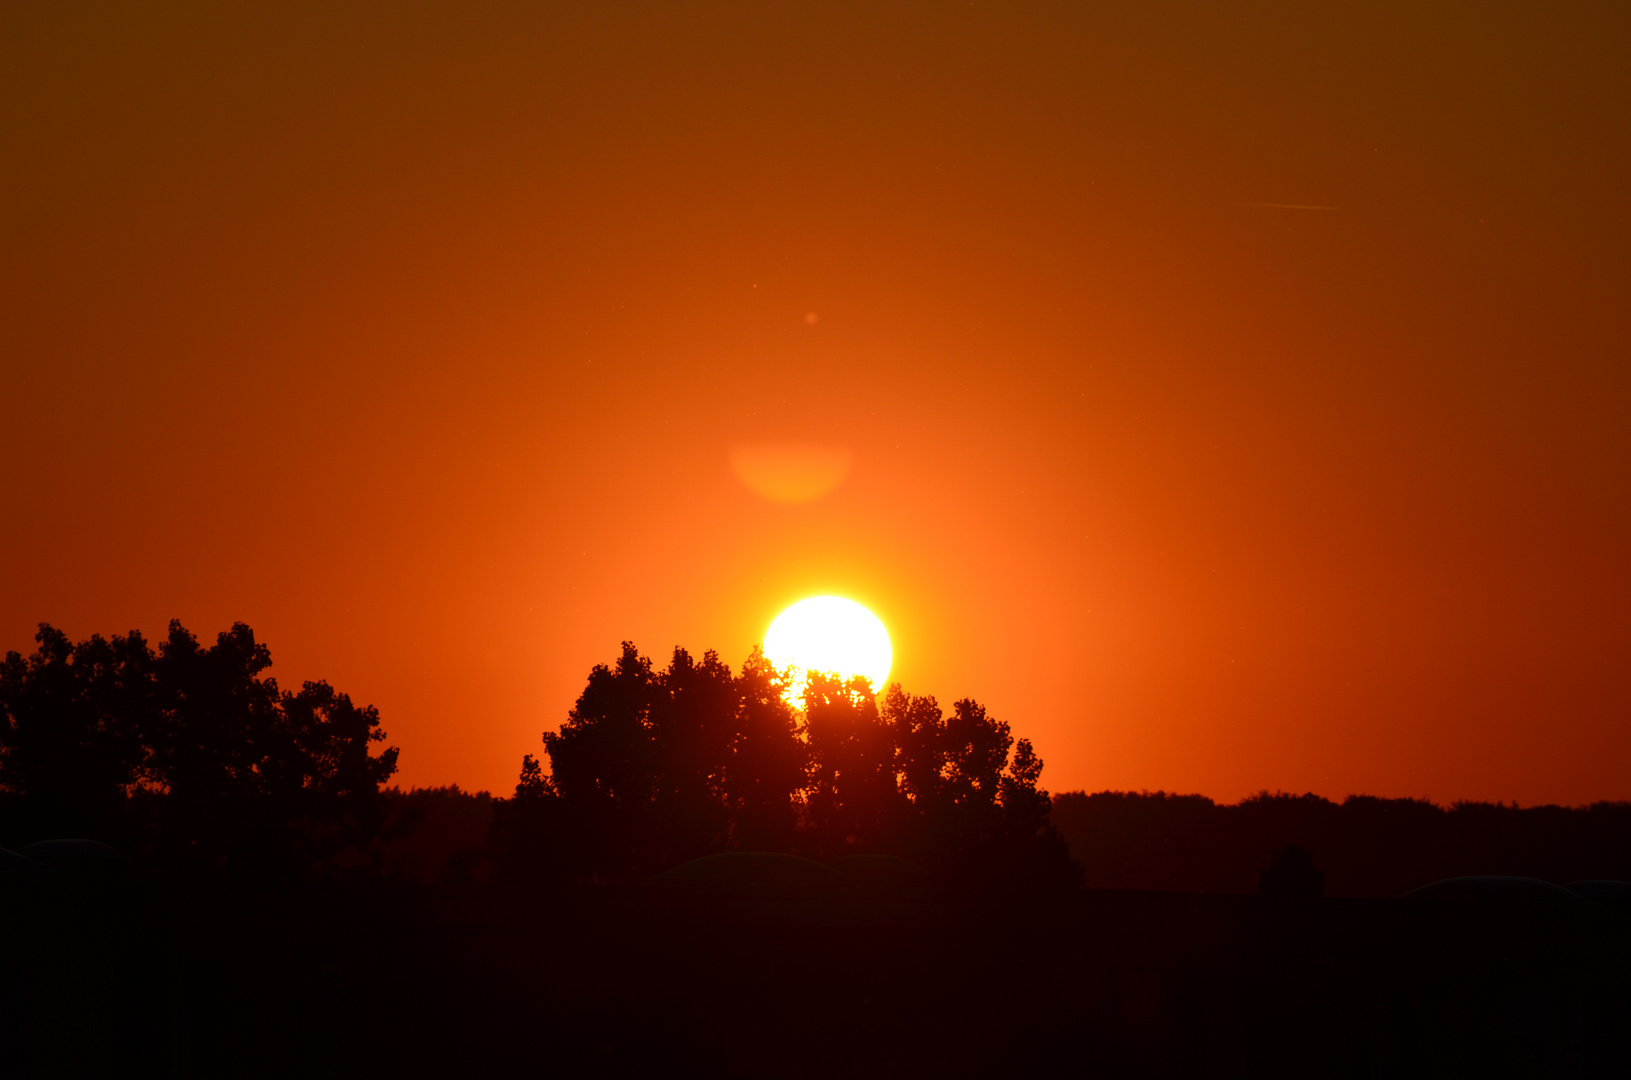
x: 129, y: 976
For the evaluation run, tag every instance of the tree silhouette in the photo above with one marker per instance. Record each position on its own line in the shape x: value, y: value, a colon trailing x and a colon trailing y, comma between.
x: 1032, y: 849
x: 533, y: 785
x: 976, y: 751
x: 531, y: 836
x: 854, y: 801
x: 603, y: 766
x: 190, y: 749
x: 218, y: 725
x: 1025, y: 806
x: 324, y: 780
x: 921, y: 745
x: 655, y: 767
x: 74, y: 721
x: 693, y: 721
x: 768, y: 761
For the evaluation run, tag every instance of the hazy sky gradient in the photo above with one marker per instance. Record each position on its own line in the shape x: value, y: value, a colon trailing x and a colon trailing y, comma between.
x: 419, y: 338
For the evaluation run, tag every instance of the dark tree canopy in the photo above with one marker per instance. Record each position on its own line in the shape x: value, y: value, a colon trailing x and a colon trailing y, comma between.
x: 74, y: 724
x: 768, y: 761
x: 852, y: 795
x: 654, y: 767
x: 189, y: 750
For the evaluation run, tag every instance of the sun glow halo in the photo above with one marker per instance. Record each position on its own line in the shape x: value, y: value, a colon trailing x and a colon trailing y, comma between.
x: 829, y: 634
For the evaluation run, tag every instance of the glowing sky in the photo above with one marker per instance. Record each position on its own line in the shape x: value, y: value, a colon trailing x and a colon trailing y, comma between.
x: 428, y: 338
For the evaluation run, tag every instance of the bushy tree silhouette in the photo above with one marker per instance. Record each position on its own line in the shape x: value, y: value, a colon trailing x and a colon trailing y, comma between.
x: 693, y: 723
x: 603, y: 766
x: 971, y: 806
x: 655, y: 767
x: 218, y: 723
x: 854, y: 801
x: 532, y: 836
x: 324, y: 779
x: 189, y: 749
x: 1025, y: 806
x: 75, y: 718
x: 976, y: 751
x: 768, y: 762
x: 921, y: 746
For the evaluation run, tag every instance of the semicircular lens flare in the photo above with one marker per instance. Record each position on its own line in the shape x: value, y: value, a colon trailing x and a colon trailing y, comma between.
x: 790, y: 472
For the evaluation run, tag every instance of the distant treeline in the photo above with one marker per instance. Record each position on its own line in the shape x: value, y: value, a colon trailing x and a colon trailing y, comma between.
x: 184, y: 754
x: 1366, y: 846
x: 653, y: 768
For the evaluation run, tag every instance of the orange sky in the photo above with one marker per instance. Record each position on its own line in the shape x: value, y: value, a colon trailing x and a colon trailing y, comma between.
x: 420, y: 337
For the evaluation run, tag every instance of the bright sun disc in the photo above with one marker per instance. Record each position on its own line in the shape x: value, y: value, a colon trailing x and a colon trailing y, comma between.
x: 829, y: 634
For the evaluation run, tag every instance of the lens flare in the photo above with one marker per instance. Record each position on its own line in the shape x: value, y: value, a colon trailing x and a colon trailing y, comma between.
x: 790, y: 472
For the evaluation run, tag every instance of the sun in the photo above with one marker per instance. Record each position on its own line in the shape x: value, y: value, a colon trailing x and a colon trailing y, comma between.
x: 829, y: 634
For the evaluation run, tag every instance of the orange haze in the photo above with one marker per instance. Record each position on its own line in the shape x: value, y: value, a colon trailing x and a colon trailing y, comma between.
x: 1227, y: 400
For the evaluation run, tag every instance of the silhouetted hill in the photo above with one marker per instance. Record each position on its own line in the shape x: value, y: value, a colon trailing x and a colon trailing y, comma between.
x: 1367, y: 846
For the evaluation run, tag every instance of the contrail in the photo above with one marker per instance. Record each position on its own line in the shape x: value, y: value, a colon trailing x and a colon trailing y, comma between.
x: 1290, y: 206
